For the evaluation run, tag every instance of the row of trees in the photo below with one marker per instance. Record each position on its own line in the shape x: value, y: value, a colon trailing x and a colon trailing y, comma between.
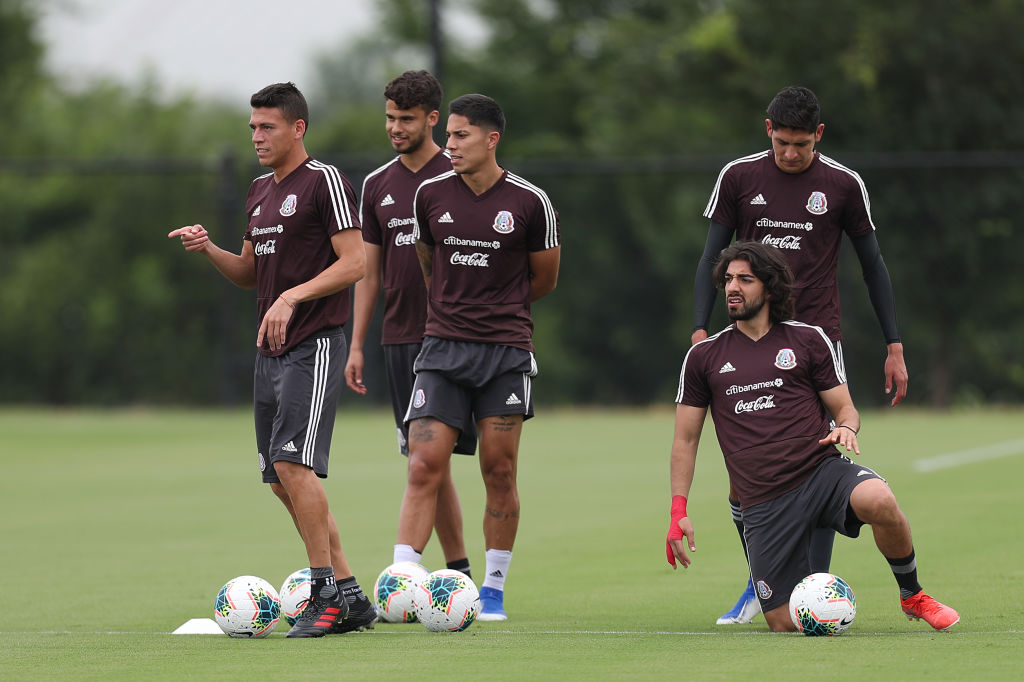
x: 623, y: 110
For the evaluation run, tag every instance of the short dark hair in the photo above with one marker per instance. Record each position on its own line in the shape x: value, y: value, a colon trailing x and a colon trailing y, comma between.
x: 286, y: 98
x: 770, y: 267
x: 481, y: 111
x: 415, y: 89
x: 795, y: 107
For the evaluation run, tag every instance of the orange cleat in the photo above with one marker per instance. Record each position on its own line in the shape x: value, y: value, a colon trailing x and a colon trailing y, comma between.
x: 936, y: 614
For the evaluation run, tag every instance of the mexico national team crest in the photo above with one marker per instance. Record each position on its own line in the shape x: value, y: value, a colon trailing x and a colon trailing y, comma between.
x: 288, y: 207
x: 786, y: 359
x: 504, y: 222
x: 764, y: 591
x: 419, y: 399
x: 817, y: 203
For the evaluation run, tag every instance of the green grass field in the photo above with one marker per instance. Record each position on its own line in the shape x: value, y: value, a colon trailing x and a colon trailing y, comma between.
x: 119, y: 526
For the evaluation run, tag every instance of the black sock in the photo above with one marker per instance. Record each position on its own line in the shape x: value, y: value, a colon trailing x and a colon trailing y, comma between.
x: 323, y: 586
x: 905, y: 572
x: 350, y: 588
x: 461, y: 565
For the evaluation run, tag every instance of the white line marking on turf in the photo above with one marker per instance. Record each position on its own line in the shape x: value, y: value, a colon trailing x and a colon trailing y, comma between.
x: 970, y: 456
x: 548, y: 633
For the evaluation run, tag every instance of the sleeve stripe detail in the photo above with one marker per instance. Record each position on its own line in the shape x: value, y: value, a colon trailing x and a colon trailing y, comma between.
x: 709, y: 210
x: 336, y: 187
x: 832, y: 163
x: 682, y: 371
x: 551, y: 227
x: 840, y: 369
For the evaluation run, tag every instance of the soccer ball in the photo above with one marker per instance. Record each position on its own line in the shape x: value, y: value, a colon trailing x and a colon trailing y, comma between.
x: 294, y: 593
x: 822, y: 605
x: 394, y: 591
x: 447, y: 601
x: 247, y: 606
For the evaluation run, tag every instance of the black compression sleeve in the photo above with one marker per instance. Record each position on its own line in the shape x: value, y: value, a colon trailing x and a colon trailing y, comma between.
x: 704, y: 291
x: 876, y: 276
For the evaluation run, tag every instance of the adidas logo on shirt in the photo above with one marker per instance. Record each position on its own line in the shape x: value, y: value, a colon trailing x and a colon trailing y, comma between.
x: 758, y: 201
x: 256, y: 212
x: 446, y: 218
x: 289, y: 447
x: 727, y: 367
x: 387, y: 201
x: 513, y: 400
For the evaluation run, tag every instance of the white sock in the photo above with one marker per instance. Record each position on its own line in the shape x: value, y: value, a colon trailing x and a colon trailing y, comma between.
x: 497, y: 568
x: 406, y: 553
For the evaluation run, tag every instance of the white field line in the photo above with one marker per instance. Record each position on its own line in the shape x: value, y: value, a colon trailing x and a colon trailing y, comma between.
x: 970, y: 456
x: 547, y: 633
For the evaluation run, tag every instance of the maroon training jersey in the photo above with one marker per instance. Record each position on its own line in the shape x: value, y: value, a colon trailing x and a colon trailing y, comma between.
x: 764, y: 401
x: 385, y: 212
x: 290, y: 226
x: 480, y: 286
x: 804, y: 215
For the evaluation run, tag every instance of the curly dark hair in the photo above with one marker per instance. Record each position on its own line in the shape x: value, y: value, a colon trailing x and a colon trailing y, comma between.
x: 770, y: 267
x: 415, y: 89
x: 286, y: 98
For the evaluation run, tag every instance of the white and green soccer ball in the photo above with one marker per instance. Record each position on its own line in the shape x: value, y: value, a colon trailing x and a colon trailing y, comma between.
x: 394, y: 591
x: 822, y: 605
x: 447, y: 601
x: 247, y: 606
x: 294, y: 593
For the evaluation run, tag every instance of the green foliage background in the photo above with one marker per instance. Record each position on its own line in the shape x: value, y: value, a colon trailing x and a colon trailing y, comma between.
x: 623, y: 110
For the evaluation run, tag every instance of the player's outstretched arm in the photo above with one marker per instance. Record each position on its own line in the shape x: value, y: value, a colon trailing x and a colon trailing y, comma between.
x: 689, y: 423
x: 876, y: 277
x: 240, y: 269
x: 544, y: 272
x: 367, y: 290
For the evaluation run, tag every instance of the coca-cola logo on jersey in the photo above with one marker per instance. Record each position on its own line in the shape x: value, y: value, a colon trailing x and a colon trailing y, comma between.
x: 477, y: 260
x: 790, y: 241
x: 403, y: 239
x: 264, y: 248
x: 764, y: 402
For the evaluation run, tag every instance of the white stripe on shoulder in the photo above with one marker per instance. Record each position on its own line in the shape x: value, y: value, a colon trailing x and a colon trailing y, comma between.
x: 836, y: 362
x: 416, y: 196
x: 709, y: 210
x: 550, y: 218
x: 832, y: 163
x: 682, y: 371
x: 366, y: 180
x: 336, y: 187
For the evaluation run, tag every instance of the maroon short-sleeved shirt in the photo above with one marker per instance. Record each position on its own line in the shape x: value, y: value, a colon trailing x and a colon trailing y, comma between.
x: 804, y: 215
x: 290, y: 226
x: 480, y: 286
x: 385, y: 212
x: 764, y: 400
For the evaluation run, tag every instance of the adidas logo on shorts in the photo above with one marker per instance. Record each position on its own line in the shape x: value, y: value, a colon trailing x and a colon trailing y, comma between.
x: 513, y: 400
x: 289, y: 447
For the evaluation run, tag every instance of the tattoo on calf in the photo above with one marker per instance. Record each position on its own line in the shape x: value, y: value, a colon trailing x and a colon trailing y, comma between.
x: 502, y: 515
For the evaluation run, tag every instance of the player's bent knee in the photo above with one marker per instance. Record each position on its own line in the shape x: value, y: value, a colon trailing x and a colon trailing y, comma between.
x: 873, y: 502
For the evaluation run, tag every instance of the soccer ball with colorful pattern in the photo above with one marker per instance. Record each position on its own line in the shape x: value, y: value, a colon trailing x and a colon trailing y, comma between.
x: 447, y: 601
x: 247, y: 606
x: 394, y: 591
x: 294, y: 593
x: 822, y: 605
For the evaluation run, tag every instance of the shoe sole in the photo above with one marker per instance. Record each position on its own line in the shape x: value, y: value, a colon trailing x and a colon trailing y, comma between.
x: 945, y: 629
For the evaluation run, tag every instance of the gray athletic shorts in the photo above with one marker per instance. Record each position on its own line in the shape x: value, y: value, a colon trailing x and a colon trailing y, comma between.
x: 461, y: 382
x: 399, y: 360
x: 778, y: 532
x: 295, y: 400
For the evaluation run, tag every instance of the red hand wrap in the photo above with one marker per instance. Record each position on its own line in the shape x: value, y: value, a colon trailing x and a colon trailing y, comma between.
x: 678, y: 513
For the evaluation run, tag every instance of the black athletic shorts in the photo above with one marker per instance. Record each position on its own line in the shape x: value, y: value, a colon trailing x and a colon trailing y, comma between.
x: 461, y: 382
x: 295, y: 400
x: 778, y: 532
x: 399, y: 359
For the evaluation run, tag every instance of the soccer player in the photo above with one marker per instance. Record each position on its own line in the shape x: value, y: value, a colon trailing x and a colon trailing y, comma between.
x: 489, y: 245
x: 385, y: 212
x: 301, y: 251
x: 800, y: 202
x: 780, y: 404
